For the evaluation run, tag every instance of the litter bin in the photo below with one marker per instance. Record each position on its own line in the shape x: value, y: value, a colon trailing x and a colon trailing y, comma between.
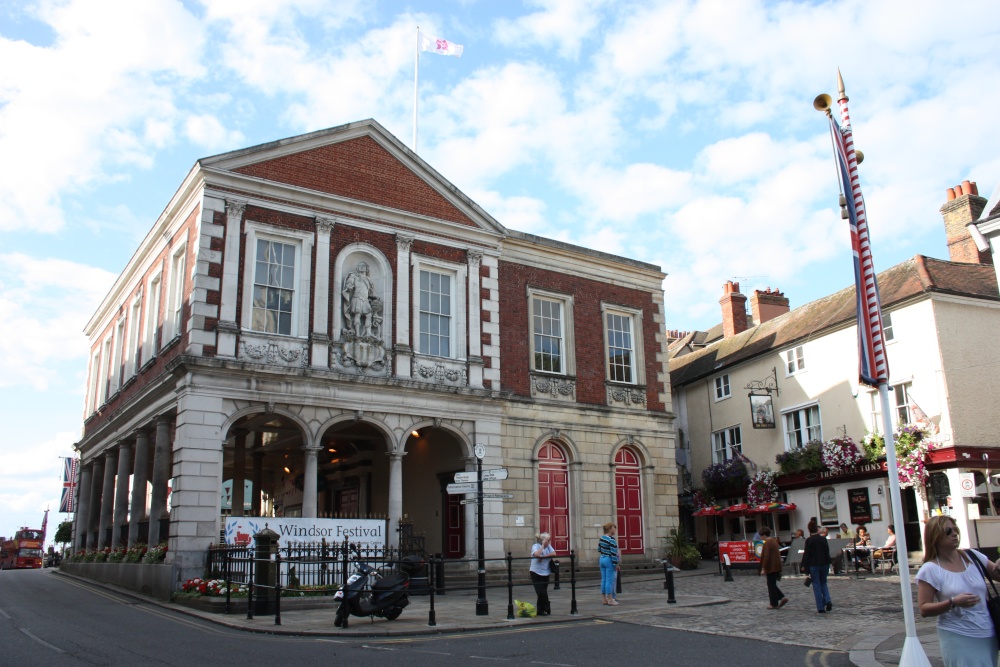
x: 416, y: 568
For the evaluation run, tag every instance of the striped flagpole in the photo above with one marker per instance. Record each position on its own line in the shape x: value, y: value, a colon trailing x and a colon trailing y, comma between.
x: 872, y: 363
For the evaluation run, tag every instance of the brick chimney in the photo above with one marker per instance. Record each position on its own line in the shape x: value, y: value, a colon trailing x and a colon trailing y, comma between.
x: 734, y: 310
x: 963, y: 206
x: 767, y: 305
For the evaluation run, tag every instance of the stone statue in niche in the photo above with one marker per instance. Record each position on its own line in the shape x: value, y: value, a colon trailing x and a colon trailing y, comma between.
x: 358, y: 294
x: 361, y: 347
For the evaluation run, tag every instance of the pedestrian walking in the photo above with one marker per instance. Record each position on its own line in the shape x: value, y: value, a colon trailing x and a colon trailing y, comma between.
x: 952, y: 586
x: 541, y: 567
x: 770, y: 565
x: 816, y: 565
x: 607, y: 547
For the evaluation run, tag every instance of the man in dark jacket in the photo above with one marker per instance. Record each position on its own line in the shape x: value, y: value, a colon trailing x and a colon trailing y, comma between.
x: 770, y: 564
x: 816, y: 564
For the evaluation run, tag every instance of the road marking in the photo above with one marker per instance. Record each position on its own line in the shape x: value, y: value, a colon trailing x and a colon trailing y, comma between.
x: 489, y: 633
x: 486, y: 657
x: 42, y: 641
x: 417, y: 650
x: 4, y: 614
x: 553, y: 664
x: 377, y: 648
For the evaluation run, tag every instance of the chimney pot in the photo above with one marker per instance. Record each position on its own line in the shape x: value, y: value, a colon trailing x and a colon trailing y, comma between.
x: 768, y: 305
x: 958, y: 212
x: 975, y: 188
x: 950, y: 193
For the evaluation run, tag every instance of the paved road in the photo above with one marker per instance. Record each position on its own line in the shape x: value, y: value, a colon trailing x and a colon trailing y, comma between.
x: 56, y: 620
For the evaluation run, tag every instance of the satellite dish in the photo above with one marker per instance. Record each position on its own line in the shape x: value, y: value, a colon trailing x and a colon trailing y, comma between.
x: 682, y: 457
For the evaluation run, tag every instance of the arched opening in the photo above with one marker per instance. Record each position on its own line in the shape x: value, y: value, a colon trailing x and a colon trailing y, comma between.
x: 553, y: 495
x: 355, y: 471
x: 628, y: 501
x: 433, y: 456
x: 262, y: 466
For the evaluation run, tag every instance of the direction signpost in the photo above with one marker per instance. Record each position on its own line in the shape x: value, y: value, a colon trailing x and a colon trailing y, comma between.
x: 464, y: 487
x: 496, y: 475
x: 482, y: 606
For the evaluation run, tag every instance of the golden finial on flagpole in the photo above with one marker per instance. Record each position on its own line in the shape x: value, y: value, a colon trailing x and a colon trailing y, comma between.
x: 840, y: 87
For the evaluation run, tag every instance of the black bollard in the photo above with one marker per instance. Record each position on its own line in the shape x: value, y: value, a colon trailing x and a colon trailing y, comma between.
x: 431, y: 619
x: 555, y: 570
x: 729, y: 571
x: 225, y: 556
x: 668, y: 582
x: 277, y: 588
x: 572, y: 583
x: 510, y: 587
x: 250, y: 570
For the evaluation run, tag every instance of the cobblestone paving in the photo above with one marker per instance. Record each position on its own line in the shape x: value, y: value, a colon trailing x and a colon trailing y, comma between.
x: 867, y: 612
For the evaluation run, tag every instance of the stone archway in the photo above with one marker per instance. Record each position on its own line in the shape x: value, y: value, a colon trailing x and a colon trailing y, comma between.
x: 354, y: 465
x: 263, y: 466
x: 433, y: 455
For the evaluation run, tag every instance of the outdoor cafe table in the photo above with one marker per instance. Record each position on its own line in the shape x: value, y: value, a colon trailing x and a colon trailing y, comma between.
x: 859, y: 553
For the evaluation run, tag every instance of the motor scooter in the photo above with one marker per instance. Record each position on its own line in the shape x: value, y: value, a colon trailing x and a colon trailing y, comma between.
x: 370, y: 593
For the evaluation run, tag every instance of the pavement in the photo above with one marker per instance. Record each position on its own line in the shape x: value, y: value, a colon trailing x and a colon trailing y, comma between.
x: 866, y: 621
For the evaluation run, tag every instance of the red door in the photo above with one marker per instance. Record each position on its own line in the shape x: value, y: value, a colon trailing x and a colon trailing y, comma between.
x: 553, y: 495
x: 628, y: 501
x: 454, y: 526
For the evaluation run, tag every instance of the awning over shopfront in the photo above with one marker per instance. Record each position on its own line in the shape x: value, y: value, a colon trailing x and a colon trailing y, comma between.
x: 766, y: 508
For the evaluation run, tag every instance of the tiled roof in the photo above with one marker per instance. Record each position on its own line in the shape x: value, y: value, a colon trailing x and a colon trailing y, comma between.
x: 919, y: 275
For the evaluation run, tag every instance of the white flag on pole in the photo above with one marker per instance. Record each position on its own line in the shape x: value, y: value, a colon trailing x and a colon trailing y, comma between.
x: 442, y: 47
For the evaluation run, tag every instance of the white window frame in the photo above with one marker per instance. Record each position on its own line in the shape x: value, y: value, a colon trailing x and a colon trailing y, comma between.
x: 95, y: 379
x: 175, y: 298
x: 459, y: 274
x: 303, y: 241
x: 901, y: 409
x: 726, y: 442
x: 568, y: 357
x: 722, y: 388
x: 809, y: 431
x: 134, y: 347
x: 105, y: 385
x: 638, y: 364
x: 794, y: 360
x: 152, y: 320
x: 888, y: 335
x: 118, y: 366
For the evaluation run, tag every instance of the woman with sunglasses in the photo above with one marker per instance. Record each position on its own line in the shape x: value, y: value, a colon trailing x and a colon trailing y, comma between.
x: 951, y: 587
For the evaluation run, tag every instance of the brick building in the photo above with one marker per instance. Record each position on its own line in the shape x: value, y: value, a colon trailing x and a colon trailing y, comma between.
x: 324, y: 324
x: 800, y: 365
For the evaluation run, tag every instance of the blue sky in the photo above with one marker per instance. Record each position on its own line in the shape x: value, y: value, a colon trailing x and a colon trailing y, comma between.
x: 676, y: 132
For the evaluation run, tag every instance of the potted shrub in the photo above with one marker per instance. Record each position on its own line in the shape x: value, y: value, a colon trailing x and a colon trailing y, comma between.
x: 681, y: 552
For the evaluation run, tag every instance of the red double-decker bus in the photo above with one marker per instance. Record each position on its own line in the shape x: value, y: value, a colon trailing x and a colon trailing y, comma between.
x: 23, y: 551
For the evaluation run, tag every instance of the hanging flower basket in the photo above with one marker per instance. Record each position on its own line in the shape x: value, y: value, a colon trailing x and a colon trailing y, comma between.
x: 840, y: 454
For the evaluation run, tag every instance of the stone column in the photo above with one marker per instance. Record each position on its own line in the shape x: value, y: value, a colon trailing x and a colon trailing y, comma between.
x: 121, y: 492
x: 228, y: 327
x: 140, y: 476
x: 107, y: 497
x: 475, y: 259
x: 395, y: 495
x: 93, y: 519
x: 162, y: 460
x: 320, y: 338
x: 402, y: 347
x: 239, y: 471
x: 309, y: 495
x: 258, y: 480
x: 82, y: 518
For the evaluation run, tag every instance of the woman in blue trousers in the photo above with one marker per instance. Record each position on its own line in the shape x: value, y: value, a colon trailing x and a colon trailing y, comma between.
x: 607, y: 547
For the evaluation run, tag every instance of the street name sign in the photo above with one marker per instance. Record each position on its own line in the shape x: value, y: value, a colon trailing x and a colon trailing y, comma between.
x: 494, y: 475
x: 465, y: 477
x: 498, y: 495
x: 469, y: 487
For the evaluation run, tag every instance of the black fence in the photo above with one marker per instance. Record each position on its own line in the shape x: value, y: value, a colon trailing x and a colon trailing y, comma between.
x: 303, y: 565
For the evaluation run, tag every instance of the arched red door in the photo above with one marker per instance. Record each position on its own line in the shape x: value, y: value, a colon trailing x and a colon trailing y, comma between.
x: 628, y: 501
x: 553, y: 495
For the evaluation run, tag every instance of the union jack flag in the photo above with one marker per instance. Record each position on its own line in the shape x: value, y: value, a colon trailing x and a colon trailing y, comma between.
x: 71, y: 470
x: 873, y: 367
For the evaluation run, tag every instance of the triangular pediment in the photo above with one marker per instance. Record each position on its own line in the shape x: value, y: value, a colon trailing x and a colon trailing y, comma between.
x: 361, y: 162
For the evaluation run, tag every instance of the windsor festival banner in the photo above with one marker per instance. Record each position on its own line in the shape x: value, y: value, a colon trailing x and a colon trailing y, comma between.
x: 367, y: 533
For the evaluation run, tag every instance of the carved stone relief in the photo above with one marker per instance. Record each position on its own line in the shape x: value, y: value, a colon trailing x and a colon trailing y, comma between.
x: 553, y: 386
x: 264, y: 351
x: 633, y: 397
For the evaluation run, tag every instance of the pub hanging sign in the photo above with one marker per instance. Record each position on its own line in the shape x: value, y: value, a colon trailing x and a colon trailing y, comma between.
x: 762, y: 401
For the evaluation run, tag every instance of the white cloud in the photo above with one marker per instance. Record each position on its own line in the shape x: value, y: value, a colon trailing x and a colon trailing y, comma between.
x: 31, y: 480
x: 207, y: 131
x: 562, y: 25
x: 44, y: 305
x: 72, y: 111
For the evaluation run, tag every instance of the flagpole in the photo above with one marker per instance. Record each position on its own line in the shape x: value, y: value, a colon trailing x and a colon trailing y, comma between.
x: 416, y: 73
x: 873, y: 364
